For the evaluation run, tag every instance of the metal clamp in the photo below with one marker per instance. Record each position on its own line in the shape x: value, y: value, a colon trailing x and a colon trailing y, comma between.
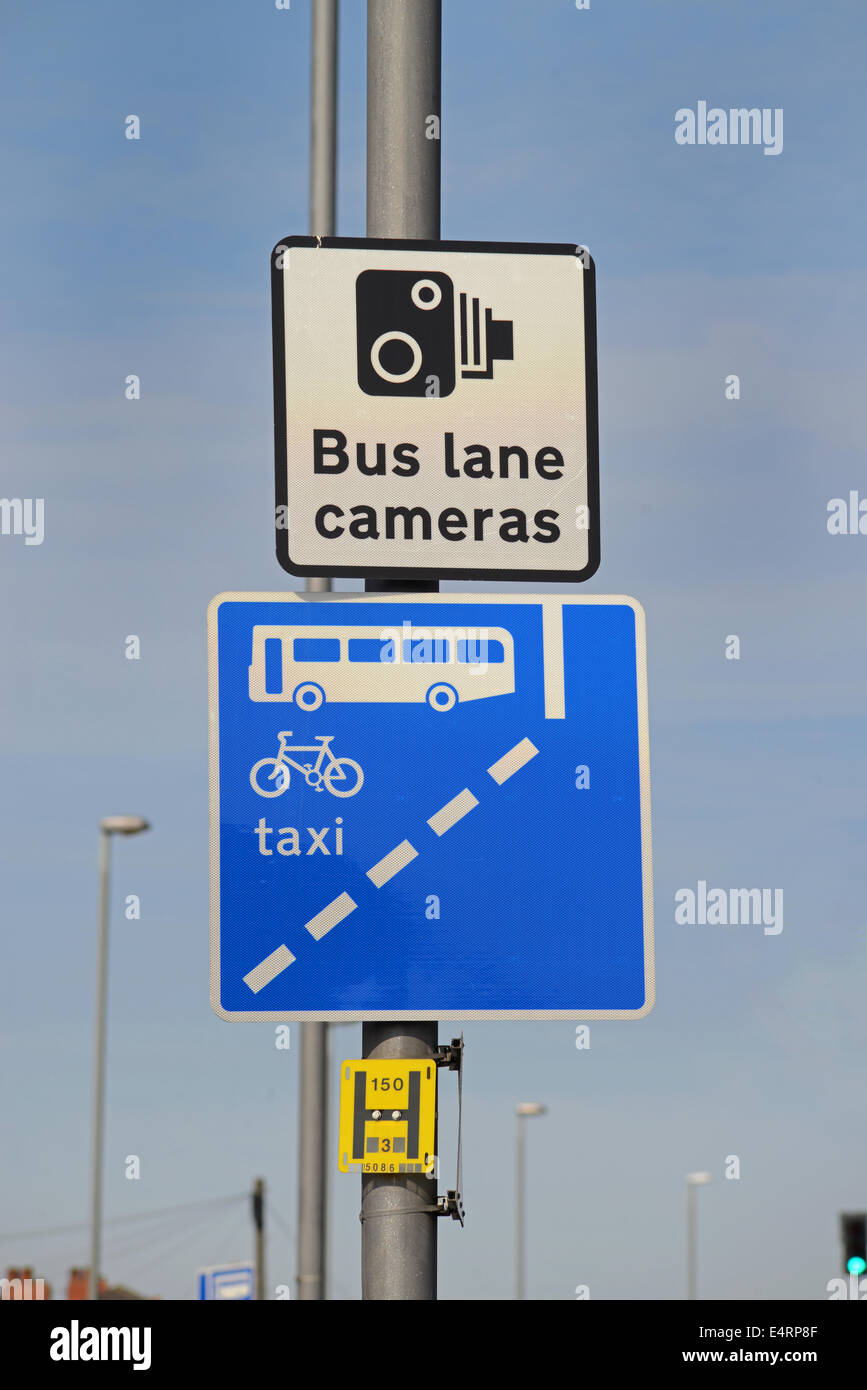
x: 450, y: 1056
x: 451, y: 1204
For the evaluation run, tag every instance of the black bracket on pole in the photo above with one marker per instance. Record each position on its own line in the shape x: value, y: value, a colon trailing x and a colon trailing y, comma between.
x: 452, y: 1057
x: 451, y: 1204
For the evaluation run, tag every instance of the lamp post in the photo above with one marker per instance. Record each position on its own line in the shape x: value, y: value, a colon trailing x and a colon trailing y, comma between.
x: 522, y: 1111
x: 108, y: 826
x: 313, y: 1090
x: 693, y: 1180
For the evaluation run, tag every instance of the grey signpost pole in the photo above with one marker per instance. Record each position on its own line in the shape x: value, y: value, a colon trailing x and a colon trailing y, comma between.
x: 693, y: 1180
x: 522, y: 1111
x: 520, y: 1215
x: 323, y: 117
x: 690, y: 1239
x: 108, y: 826
x: 399, y: 1227
x: 99, y: 1067
x: 313, y: 1094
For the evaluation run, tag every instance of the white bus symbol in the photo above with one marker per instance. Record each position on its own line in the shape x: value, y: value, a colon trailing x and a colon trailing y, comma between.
x: 373, y: 665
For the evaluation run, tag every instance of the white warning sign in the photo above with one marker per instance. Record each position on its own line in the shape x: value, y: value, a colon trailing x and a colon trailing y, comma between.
x: 435, y: 409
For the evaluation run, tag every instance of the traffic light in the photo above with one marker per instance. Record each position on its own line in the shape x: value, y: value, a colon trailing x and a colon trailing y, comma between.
x: 853, y: 1229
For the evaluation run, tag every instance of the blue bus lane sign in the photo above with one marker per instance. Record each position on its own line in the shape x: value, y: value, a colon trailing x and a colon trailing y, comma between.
x: 429, y: 806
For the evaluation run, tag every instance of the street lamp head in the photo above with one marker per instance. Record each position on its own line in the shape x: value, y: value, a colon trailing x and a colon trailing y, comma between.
x: 530, y: 1107
x: 123, y: 825
x: 698, y: 1179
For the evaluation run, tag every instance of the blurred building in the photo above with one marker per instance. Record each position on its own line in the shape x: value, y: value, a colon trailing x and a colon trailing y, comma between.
x: 20, y: 1283
x: 79, y: 1288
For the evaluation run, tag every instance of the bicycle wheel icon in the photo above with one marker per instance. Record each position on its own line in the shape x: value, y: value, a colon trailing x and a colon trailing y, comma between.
x: 269, y: 777
x: 344, y: 777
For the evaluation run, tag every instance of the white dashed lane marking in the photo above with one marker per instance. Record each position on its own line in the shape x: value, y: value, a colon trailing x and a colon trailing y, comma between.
x: 448, y: 815
x: 330, y: 916
x: 392, y: 863
x: 268, y: 969
x: 513, y: 761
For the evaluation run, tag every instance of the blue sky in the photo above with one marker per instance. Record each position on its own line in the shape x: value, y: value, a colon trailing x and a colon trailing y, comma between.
x: 151, y: 257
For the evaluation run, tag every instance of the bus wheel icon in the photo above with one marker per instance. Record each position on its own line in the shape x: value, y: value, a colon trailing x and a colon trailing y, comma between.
x: 442, y: 697
x: 309, y: 696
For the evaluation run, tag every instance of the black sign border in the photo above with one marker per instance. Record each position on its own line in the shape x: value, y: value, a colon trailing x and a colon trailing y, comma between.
x: 281, y: 470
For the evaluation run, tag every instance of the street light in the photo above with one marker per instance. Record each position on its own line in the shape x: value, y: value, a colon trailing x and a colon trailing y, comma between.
x: 522, y: 1110
x: 108, y: 826
x: 693, y: 1180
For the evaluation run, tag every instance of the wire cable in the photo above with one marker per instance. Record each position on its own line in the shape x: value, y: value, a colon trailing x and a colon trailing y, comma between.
x: 39, y: 1231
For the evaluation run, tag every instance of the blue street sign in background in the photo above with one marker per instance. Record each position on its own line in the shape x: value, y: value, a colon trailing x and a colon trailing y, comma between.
x: 429, y: 806
x: 226, y: 1281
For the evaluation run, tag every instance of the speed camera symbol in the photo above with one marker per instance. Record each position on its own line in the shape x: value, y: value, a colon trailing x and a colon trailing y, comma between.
x: 406, y: 331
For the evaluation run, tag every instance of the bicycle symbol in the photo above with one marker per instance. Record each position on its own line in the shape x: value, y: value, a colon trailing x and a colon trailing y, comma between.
x: 336, y: 770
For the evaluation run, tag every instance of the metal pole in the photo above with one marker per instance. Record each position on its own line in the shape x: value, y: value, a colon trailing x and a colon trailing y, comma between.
x: 690, y: 1240
x: 323, y: 117
x: 99, y: 1067
x: 403, y: 95
x: 313, y: 1094
x: 259, y: 1225
x: 519, y: 1207
x: 312, y: 1161
x: 399, y: 1229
